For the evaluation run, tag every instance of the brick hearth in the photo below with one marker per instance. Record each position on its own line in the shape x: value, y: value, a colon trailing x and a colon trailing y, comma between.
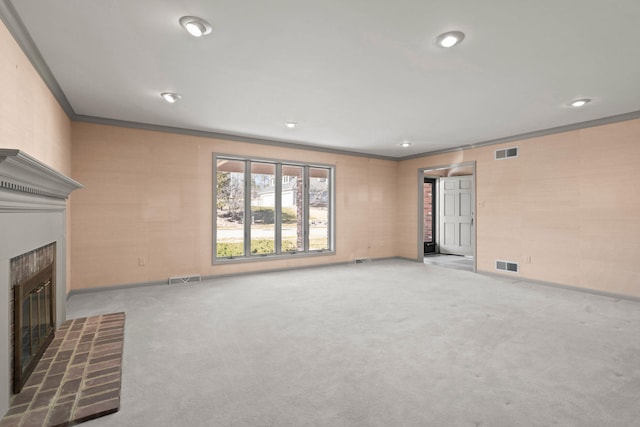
x: 78, y: 377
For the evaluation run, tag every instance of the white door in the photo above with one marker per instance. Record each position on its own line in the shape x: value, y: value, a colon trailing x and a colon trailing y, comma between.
x: 456, y: 211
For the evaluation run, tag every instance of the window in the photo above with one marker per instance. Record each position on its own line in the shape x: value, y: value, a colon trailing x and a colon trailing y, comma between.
x: 288, y: 206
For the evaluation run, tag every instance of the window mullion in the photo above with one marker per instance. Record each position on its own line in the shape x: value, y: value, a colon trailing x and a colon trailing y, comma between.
x: 332, y: 210
x: 247, y: 208
x: 278, y: 209
x: 305, y: 198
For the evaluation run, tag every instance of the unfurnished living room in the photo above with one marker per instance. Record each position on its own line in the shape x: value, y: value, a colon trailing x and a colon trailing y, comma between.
x: 335, y: 213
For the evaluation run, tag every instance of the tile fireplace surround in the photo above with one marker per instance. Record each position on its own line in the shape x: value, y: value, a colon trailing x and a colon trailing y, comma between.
x: 33, y: 212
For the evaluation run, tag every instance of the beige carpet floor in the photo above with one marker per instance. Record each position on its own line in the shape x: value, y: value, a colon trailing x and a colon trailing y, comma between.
x: 387, y: 343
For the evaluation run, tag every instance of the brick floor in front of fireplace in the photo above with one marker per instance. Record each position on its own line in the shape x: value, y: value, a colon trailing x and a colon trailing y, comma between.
x: 78, y: 377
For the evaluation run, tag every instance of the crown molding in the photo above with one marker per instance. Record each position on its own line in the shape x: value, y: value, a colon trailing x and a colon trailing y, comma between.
x: 18, y: 30
x: 226, y: 137
x: 16, y: 27
x: 534, y: 134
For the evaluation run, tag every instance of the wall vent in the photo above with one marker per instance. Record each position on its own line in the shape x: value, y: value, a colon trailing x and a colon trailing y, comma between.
x: 507, y: 266
x: 506, y: 153
x: 185, y: 279
x: 363, y: 260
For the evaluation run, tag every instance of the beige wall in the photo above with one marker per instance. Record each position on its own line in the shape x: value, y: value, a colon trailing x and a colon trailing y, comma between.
x: 30, y: 117
x: 563, y: 204
x: 148, y: 195
x: 569, y: 202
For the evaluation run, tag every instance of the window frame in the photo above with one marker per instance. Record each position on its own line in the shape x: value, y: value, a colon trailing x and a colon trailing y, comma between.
x: 279, y: 253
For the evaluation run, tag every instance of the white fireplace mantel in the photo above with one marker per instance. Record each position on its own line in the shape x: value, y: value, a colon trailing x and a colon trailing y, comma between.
x: 33, y: 212
x: 30, y: 184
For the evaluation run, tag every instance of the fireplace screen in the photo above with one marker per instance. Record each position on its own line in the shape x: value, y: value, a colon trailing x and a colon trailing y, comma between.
x: 33, y: 320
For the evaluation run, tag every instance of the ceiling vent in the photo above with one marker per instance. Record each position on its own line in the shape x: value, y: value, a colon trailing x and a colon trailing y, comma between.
x: 507, y: 266
x: 506, y: 153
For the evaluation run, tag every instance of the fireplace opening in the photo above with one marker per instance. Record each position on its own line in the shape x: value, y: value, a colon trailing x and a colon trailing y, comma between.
x: 34, y: 296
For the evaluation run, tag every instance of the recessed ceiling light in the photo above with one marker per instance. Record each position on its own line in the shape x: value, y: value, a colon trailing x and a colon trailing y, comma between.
x: 449, y: 39
x: 580, y: 102
x: 197, y: 27
x: 170, y: 97
x: 405, y: 144
x: 291, y: 125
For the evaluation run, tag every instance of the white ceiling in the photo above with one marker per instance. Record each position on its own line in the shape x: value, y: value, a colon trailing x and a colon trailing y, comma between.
x: 355, y: 75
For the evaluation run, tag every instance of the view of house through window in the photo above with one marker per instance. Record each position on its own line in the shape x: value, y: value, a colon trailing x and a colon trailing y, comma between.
x: 230, y: 206
x: 318, y: 203
x: 292, y: 209
x: 263, y: 208
x: 288, y: 205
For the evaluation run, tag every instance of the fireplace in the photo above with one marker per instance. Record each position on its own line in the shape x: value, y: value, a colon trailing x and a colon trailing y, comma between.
x: 33, y: 230
x: 34, y: 307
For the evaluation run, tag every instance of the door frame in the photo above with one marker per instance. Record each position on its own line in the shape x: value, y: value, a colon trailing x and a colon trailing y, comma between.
x: 424, y: 172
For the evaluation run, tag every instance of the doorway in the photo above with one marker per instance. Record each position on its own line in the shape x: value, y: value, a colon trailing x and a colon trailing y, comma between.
x: 429, y: 195
x: 447, y: 231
